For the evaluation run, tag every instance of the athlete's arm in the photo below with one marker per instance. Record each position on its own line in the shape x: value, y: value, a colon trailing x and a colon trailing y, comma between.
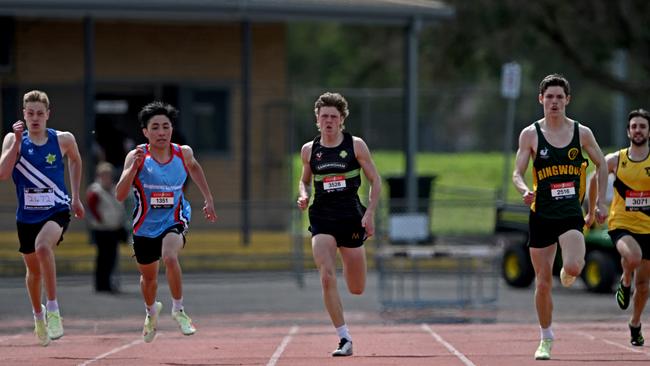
x: 10, y: 150
x: 590, y: 145
x: 612, y: 163
x: 527, y: 139
x: 370, y: 171
x: 198, y: 176
x: 69, y: 148
x: 304, y: 184
x: 132, y: 162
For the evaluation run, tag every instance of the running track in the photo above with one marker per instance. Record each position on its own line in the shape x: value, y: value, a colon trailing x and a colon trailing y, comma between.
x: 264, y: 340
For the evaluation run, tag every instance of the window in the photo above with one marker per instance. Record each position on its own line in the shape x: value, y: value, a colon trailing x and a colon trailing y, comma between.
x: 205, y: 120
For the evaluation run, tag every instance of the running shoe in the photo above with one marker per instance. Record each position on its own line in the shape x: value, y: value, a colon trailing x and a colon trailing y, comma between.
x: 623, y: 295
x: 54, y: 324
x: 344, y: 348
x: 636, y: 338
x: 566, y: 279
x: 544, y: 350
x: 184, y: 322
x: 150, y: 324
x: 40, y: 329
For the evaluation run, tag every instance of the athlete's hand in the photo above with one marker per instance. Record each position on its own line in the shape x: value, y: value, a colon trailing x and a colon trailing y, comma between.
x: 303, y: 202
x: 78, y: 208
x: 601, y: 213
x: 368, y: 223
x: 138, y: 157
x: 528, y: 197
x: 208, y: 212
x: 589, y: 219
x: 18, y: 128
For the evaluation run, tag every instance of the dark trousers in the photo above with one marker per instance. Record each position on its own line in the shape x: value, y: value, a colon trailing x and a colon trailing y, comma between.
x: 106, y: 261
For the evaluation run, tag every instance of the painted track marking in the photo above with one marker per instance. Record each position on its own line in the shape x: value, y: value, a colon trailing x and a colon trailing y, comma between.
x: 622, y: 346
x: 114, y: 350
x: 447, y: 345
x: 285, y: 341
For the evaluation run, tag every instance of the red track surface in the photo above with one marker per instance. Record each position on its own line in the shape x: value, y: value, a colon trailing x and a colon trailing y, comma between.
x: 294, y: 339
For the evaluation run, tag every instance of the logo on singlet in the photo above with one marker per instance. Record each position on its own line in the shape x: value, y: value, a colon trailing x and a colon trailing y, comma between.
x: 573, y: 153
x: 543, y: 153
x: 343, y: 154
x: 647, y: 171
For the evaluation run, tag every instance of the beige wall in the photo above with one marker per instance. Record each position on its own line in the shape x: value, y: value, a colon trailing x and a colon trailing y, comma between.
x: 50, y: 52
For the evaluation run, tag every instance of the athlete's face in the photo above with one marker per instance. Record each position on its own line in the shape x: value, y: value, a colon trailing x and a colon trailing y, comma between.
x: 637, y: 131
x: 329, y: 120
x: 159, y: 131
x: 36, y: 116
x: 554, y: 101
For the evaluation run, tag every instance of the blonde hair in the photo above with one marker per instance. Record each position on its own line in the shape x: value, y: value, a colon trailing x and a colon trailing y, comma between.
x: 36, y: 96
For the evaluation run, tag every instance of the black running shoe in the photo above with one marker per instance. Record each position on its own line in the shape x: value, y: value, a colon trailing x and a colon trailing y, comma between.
x: 623, y: 295
x: 344, y: 348
x: 636, y: 338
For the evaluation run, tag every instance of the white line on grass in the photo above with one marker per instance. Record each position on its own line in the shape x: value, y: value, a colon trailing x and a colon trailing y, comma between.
x: 448, y: 346
x: 114, y: 350
x: 285, y: 341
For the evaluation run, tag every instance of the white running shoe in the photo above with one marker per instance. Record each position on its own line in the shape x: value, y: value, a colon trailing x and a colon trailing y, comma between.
x: 54, y: 324
x: 566, y: 279
x: 184, y: 322
x: 344, y: 349
x: 150, y: 324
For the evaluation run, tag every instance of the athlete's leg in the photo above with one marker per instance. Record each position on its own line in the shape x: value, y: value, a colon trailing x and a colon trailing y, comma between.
x: 324, y: 252
x: 631, y: 255
x: 354, y: 268
x: 33, y: 280
x: 172, y: 244
x: 149, y: 281
x: 542, y: 259
x: 45, y: 242
x: 640, y: 297
x: 572, y: 243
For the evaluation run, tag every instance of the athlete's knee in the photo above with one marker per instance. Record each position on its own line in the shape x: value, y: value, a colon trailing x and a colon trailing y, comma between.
x: 543, y: 285
x: 357, y: 289
x: 641, y: 285
x: 328, y: 279
x: 170, y: 258
x: 43, y: 251
x: 632, y: 261
x: 148, y: 278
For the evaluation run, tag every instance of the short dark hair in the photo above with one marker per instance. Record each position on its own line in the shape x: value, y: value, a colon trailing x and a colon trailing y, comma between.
x: 555, y: 80
x: 638, y: 113
x: 156, y: 108
x: 335, y: 100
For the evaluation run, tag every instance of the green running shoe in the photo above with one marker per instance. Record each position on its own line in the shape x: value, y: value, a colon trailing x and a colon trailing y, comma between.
x: 150, y: 324
x: 40, y: 329
x: 184, y: 322
x: 623, y: 295
x: 54, y: 324
x: 544, y: 350
x: 636, y: 338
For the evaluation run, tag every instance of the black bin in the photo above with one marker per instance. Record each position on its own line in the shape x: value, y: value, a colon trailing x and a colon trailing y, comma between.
x: 397, y: 194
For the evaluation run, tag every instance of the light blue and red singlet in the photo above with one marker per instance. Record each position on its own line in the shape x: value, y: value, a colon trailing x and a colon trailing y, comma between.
x: 39, y: 178
x: 158, y: 189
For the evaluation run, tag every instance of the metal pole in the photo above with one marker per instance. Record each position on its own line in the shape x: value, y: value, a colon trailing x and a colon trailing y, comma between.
x: 619, y: 68
x: 89, y: 93
x: 411, y: 108
x: 507, y: 149
x: 245, y: 154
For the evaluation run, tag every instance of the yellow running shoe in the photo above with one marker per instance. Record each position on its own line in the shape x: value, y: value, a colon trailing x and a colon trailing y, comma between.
x: 150, y: 324
x: 544, y: 350
x: 40, y: 329
x: 184, y: 322
x: 566, y: 279
x: 54, y: 324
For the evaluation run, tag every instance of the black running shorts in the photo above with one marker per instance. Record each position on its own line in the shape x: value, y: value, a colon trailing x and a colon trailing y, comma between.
x: 149, y: 250
x: 348, y: 232
x: 642, y: 239
x: 545, y: 232
x: 27, y: 233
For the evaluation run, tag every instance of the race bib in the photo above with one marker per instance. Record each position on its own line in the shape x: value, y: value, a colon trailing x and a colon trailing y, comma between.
x: 560, y: 191
x: 38, y: 198
x: 162, y: 199
x: 333, y: 182
x: 637, y: 201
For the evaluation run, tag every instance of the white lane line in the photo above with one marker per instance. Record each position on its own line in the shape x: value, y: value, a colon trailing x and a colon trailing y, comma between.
x: 285, y: 341
x: 622, y: 346
x: 447, y: 345
x: 7, y: 338
x: 114, y: 350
